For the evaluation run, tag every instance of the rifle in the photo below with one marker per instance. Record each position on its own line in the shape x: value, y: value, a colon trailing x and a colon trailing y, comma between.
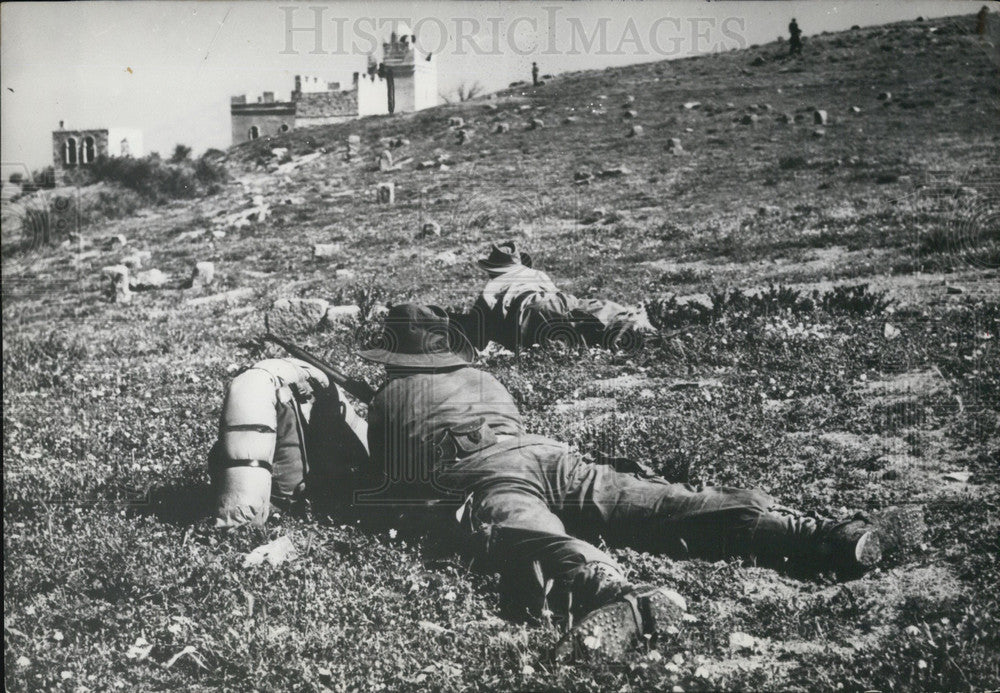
x: 359, y: 388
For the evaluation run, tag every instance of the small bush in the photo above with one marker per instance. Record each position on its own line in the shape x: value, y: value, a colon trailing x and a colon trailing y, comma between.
x: 852, y: 300
x: 158, y: 181
x: 669, y: 313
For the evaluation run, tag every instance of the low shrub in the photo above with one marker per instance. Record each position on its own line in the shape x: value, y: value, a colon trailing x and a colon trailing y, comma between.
x: 669, y: 313
x: 159, y: 181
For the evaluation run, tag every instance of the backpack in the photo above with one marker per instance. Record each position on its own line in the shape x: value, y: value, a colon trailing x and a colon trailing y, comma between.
x: 286, y: 435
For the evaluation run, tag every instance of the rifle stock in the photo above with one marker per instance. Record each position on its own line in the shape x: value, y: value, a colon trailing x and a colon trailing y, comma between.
x: 358, y: 388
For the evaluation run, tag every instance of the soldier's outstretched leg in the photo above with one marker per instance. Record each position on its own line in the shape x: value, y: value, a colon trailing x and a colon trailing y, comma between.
x: 528, y: 545
x: 711, y: 522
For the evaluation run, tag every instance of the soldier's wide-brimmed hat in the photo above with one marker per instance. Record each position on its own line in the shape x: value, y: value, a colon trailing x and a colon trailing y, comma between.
x: 420, y: 337
x: 505, y: 256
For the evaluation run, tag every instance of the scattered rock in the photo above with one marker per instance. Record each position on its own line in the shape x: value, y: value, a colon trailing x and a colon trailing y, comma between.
x: 629, y: 100
x: 190, y: 235
x: 149, y: 279
x: 616, y: 172
x: 202, y: 275
x: 890, y: 332
x: 292, y: 315
x: 691, y: 105
x: 961, y: 477
x: 385, y: 161
x: 502, y: 128
x: 327, y: 250
x: 338, y: 315
x: 765, y: 210
x: 749, y: 118
x: 569, y: 120
x: 464, y: 135
x: 426, y: 164
x: 786, y: 118
x: 456, y: 122
x: 955, y: 289
x: 854, y: 110
x: 536, y: 124
x: 635, y: 131
x: 820, y: 117
x: 674, y: 145
x: 120, y: 291
x: 630, y: 114
x: 885, y: 96
x: 819, y: 132
x: 116, y: 241
x: 595, y: 215
x: 430, y: 228
x: 447, y: 258
x: 274, y: 553
x: 136, y: 259
x: 583, y: 177
x: 228, y: 297
x: 353, y: 147
x: 739, y: 640
x: 290, y: 166
x: 385, y: 193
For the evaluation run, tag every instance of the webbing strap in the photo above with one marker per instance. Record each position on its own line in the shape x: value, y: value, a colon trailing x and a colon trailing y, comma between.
x: 228, y: 464
x: 257, y: 428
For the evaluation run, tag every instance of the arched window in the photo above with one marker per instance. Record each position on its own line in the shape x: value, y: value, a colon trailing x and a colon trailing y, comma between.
x: 88, y: 151
x: 284, y: 127
x: 125, y: 150
x: 69, y: 151
x: 254, y: 132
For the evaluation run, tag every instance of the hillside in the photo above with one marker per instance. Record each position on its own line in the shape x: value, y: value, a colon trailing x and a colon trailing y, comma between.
x: 881, y: 399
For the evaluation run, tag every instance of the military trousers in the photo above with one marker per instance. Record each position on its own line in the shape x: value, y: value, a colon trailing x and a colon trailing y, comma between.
x: 535, y: 511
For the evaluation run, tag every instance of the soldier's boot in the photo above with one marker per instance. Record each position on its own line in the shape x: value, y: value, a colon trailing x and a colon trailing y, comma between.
x: 614, y: 629
x: 806, y: 542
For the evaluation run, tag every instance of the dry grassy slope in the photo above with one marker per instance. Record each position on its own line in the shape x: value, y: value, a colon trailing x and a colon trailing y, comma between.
x: 940, y: 124
x: 104, y: 403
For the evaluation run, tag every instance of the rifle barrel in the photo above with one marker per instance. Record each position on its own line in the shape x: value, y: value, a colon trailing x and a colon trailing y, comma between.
x: 358, y: 388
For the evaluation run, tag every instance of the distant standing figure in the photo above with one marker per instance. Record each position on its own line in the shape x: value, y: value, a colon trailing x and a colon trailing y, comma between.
x: 981, y: 20
x: 795, y: 43
x: 534, y: 74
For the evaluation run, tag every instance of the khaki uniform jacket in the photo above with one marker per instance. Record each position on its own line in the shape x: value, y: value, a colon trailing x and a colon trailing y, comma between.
x: 434, y: 434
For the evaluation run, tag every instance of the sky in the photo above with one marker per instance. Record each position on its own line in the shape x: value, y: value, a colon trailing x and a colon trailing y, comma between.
x: 169, y: 68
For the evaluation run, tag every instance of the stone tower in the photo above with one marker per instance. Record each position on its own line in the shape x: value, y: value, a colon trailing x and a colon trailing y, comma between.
x: 411, y: 76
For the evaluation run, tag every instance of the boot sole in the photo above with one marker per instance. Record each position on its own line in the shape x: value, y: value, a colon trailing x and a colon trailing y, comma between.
x: 868, y: 551
x: 613, y: 630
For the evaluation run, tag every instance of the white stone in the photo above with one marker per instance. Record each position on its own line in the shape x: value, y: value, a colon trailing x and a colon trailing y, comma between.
x: 149, y: 279
x: 336, y: 315
x: 327, y: 250
x: 291, y: 315
x: 203, y: 274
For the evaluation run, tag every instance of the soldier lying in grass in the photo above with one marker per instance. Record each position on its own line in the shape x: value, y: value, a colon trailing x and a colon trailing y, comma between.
x: 521, y: 307
x: 441, y: 430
